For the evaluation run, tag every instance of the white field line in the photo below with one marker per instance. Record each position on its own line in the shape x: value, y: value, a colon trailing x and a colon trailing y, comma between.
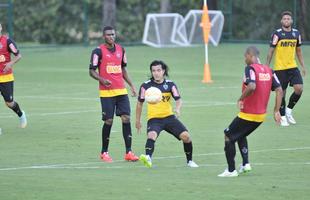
x: 86, y: 165
x: 10, y: 115
x: 186, y: 103
x: 52, y: 113
x: 59, y: 98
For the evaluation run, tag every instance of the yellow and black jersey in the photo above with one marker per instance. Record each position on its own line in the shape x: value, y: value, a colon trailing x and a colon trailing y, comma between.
x: 285, y: 44
x: 164, y: 107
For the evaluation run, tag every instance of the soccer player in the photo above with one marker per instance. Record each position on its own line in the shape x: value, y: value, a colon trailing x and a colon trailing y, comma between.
x: 160, y: 115
x: 258, y: 82
x: 110, y: 60
x: 286, y: 42
x: 8, y: 47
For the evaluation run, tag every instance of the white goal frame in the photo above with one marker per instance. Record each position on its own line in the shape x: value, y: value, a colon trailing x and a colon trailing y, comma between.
x: 180, y: 36
x: 177, y: 19
x: 215, y: 16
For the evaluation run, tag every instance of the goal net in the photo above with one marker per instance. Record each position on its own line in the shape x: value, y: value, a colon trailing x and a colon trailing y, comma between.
x: 172, y: 29
x: 163, y: 30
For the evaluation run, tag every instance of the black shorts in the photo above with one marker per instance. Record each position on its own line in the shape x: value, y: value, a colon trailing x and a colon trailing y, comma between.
x: 118, y: 104
x: 6, y: 90
x: 240, y: 128
x: 289, y: 77
x: 171, y: 124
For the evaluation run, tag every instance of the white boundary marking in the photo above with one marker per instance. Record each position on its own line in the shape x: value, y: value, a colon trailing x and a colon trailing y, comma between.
x: 198, y: 104
x: 86, y: 165
x: 53, y: 113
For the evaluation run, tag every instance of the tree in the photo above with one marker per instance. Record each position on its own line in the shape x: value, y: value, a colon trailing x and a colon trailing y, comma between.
x: 303, y: 19
x: 212, y: 4
x: 109, y: 12
x: 165, y: 6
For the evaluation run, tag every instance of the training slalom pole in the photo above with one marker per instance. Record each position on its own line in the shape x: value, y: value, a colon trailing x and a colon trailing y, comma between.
x: 206, y: 27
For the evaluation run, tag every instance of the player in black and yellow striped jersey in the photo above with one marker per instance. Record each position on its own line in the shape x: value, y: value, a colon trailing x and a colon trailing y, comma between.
x: 286, y: 44
x: 160, y: 115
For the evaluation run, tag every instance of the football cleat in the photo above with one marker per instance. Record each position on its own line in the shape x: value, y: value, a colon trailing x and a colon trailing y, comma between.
x: 106, y: 157
x: 245, y: 168
x: 23, y: 120
x: 226, y: 173
x: 130, y: 156
x: 146, y: 160
x: 289, y: 116
x: 192, y: 164
x: 283, y: 121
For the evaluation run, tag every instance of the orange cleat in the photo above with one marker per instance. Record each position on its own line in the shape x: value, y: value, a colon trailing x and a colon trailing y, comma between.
x: 130, y: 156
x: 106, y: 157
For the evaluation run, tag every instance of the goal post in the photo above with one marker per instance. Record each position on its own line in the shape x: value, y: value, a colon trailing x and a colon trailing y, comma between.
x: 192, y: 25
x: 162, y: 30
x: 172, y: 29
x: 198, y: 27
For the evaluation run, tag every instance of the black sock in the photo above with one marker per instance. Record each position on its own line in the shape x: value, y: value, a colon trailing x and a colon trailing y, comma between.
x: 16, y: 109
x: 106, y: 130
x: 293, y: 100
x: 282, y: 108
x: 127, y: 136
x: 149, y: 147
x: 188, y: 149
x: 230, y: 152
x: 243, y: 147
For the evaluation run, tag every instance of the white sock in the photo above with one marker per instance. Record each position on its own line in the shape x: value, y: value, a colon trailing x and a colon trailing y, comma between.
x: 288, y: 111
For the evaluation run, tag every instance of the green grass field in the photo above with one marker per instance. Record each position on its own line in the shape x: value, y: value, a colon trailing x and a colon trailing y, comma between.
x: 57, y: 156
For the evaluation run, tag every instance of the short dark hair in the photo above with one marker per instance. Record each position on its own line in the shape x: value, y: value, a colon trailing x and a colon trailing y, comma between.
x: 107, y: 28
x: 252, y: 50
x: 286, y: 13
x: 163, y: 66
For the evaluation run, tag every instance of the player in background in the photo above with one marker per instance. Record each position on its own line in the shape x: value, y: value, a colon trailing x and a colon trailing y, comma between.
x: 285, y: 43
x: 110, y: 60
x: 160, y: 116
x: 8, y: 47
x: 259, y: 81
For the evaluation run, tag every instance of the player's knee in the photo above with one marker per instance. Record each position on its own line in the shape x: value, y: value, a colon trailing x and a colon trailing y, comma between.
x: 185, y: 137
x: 226, y: 139
x: 108, y: 121
x: 10, y: 104
x: 125, y: 119
x: 152, y: 135
x: 298, y: 90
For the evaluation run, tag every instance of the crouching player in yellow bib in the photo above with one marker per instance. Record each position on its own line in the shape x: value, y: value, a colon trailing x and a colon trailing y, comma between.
x: 160, y: 116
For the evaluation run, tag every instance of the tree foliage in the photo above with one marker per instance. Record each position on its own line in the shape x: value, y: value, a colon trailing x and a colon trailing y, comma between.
x: 48, y: 21
x: 256, y: 20
x: 65, y: 21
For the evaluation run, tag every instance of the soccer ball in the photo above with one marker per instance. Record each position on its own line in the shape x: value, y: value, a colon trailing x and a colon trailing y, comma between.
x: 153, y: 95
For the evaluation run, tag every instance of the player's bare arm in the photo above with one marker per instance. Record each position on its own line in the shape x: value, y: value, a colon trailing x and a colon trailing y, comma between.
x: 128, y: 81
x: 269, y: 55
x: 94, y: 74
x: 301, y: 61
x: 279, y: 95
x: 138, y: 116
x: 250, y: 88
x: 10, y: 64
x: 178, y: 105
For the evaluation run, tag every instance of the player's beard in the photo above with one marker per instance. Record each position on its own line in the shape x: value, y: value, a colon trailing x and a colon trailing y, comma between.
x: 287, y: 25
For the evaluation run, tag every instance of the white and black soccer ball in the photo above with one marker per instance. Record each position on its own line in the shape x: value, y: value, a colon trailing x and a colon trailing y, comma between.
x: 153, y: 95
